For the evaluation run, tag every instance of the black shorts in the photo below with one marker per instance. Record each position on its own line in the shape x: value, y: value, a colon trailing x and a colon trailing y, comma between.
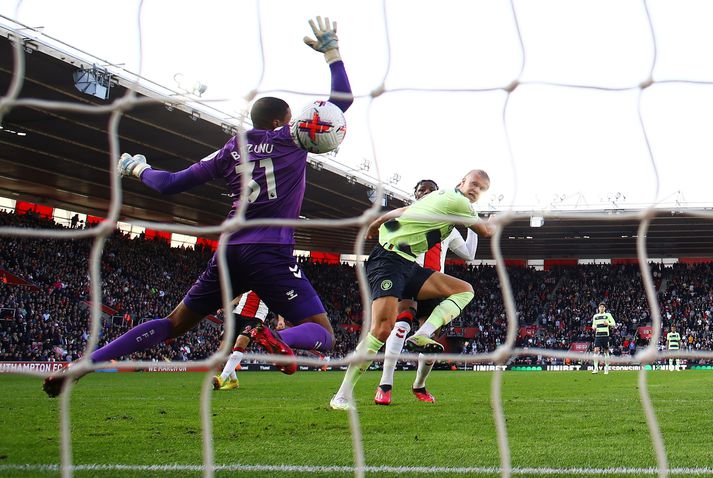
x: 415, y: 282
x: 243, y: 325
x: 602, y: 342
x: 388, y: 273
x: 425, y: 307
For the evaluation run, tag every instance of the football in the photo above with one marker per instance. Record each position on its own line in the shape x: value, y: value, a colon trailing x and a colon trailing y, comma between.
x: 319, y: 128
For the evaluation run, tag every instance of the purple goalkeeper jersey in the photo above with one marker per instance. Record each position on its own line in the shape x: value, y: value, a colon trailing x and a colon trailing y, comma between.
x: 275, y: 165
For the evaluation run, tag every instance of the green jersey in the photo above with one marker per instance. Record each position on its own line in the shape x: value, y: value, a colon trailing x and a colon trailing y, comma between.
x: 674, y: 340
x: 409, y: 236
x: 601, y: 324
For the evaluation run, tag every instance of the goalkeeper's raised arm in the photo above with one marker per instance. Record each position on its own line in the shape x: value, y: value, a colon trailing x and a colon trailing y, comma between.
x: 326, y: 41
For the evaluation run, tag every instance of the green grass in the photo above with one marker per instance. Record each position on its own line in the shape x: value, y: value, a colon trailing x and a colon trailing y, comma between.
x: 554, y: 420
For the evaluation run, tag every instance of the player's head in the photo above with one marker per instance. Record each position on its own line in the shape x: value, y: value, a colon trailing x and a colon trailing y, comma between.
x: 673, y: 328
x: 424, y: 187
x: 474, y: 184
x: 602, y: 307
x: 270, y: 113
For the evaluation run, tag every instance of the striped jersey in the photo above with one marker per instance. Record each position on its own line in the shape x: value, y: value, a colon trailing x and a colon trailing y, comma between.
x: 250, y: 305
x: 673, y: 339
x: 435, y: 257
x: 601, y: 323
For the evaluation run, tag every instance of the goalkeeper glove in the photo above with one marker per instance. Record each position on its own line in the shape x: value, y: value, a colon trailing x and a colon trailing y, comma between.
x: 326, y: 39
x: 132, y: 165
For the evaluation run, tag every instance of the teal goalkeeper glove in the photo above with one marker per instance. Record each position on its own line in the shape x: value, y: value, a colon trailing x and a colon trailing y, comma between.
x: 132, y: 165
x: 326, y: 39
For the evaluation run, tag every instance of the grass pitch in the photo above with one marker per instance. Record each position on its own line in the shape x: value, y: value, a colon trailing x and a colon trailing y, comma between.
x: 556, y: 421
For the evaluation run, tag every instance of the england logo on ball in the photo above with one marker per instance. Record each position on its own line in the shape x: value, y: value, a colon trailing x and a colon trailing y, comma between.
x: 319, y: 128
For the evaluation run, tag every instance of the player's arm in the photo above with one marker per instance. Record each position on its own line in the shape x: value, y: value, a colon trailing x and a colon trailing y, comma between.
x: 610, y: 321
x: 162, y: 181
x: 483, y: 228
x: 464, y: 249
x: 326, y: 42
x: 376, y: 224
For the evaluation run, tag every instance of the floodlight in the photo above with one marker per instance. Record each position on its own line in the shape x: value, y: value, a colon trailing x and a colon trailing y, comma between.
x: 93, y: 81
x: 537, y: 221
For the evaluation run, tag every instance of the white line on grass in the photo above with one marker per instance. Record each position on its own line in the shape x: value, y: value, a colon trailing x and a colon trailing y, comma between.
x: 370, y: 469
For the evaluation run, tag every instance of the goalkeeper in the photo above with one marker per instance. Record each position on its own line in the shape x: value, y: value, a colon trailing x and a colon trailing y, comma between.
x: 260, y: 258
x: 602, y: 323
x: 403, y: 235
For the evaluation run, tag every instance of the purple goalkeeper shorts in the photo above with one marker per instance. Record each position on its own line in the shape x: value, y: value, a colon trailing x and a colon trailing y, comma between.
x: 268, y: 269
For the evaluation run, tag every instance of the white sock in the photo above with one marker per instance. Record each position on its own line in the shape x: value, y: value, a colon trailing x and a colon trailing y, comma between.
x: 394, y: 345
x: 424, y: 368
x: 426, y: 329
x: 596, y: 362
x: 233, y: 362
x: 606, y: 362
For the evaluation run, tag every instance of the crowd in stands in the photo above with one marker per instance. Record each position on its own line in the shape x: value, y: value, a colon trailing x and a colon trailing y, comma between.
x: 145, y: 279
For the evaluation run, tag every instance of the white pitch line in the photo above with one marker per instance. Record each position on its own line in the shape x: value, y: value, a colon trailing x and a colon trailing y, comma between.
x: 371, y: 469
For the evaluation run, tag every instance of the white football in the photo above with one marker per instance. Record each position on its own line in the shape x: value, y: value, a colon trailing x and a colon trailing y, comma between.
x: 319, y: 128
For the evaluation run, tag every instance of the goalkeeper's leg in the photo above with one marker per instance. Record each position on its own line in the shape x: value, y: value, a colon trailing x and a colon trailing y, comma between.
x: 313, y: 333
x: 141, y: 337
x: 149, y: 334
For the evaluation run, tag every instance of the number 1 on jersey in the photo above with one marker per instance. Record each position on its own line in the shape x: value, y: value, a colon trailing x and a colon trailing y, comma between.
x: 253, y: 186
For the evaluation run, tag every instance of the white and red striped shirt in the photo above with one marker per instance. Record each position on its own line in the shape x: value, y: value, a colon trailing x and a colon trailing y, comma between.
x: 250, y: 305
x: 435, y: 257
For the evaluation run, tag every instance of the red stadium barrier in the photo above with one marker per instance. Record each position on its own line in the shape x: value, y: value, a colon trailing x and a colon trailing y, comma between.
x: 325, y: 257
x: 559, y: 262
x: 22, y: 207
x: 695, y: 260
x: 625, y: 260
x: 157, y: 235
x: 202, y: 241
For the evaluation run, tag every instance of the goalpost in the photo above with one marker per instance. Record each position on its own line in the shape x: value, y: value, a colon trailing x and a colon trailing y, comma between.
x: 501, y: 355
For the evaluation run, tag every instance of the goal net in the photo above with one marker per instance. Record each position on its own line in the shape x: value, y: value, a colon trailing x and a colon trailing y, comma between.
x: 479, y: 71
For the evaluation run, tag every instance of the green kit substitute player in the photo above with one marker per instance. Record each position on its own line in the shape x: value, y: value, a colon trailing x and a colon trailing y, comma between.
x: 673, y: 342
x: 602, y: 324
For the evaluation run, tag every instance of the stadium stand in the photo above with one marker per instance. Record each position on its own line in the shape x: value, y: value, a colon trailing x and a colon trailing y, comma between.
x: 45, y: 315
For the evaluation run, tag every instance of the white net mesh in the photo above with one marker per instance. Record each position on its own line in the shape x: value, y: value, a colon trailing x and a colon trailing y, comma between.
x: 501, y: 355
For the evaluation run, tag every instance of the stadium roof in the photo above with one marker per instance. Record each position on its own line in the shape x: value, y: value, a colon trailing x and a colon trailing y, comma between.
x: 63, y: 160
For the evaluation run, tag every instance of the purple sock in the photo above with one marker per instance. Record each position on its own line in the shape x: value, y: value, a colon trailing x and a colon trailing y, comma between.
x: 141, y: 337
x: 307, y: 336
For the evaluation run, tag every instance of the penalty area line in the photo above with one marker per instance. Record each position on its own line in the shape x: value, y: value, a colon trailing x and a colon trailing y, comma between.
x: 350, y: 469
